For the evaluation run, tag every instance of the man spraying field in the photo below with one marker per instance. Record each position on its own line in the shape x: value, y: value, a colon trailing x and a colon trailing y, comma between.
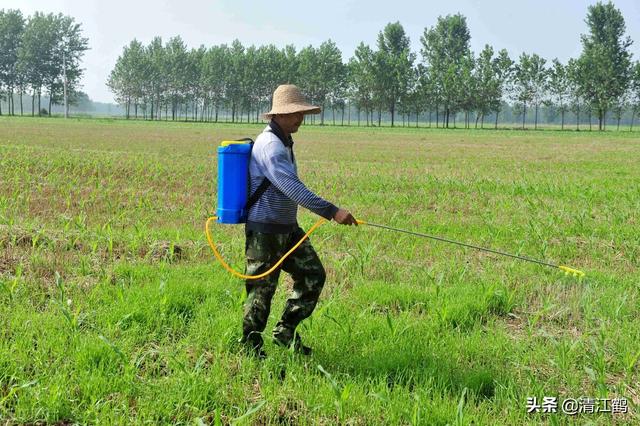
x: 272, y: 228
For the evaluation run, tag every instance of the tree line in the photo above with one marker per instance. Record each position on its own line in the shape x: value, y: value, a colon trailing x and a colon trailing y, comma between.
x: 445, y: 80
x: 38, y: 54
x: 170, y: 81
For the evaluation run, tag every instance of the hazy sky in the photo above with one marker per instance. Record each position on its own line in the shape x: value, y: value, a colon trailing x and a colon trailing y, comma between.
x: 550, y: 28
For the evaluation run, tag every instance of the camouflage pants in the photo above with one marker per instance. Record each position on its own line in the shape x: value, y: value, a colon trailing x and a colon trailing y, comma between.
x: 262, y: 252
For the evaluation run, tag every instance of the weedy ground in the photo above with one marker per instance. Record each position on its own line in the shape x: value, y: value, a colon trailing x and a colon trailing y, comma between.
x: 113, y: 310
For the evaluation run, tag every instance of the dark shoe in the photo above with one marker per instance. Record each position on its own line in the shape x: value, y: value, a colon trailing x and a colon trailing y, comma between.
x: 297, y: 345
x: 253, y: 348
x: 259, y: 353
x: 302, y: 349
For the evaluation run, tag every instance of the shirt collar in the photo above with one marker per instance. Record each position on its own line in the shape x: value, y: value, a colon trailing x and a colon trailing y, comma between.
x: 277, y: 130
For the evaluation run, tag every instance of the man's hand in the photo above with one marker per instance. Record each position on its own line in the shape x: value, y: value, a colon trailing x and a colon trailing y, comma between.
x: 343, y: 217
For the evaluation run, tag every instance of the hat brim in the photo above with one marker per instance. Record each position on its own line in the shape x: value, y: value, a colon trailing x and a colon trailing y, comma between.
x: 292, y: 109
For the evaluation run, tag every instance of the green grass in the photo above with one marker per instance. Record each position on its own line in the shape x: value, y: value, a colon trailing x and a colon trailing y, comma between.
x: 114, y: 311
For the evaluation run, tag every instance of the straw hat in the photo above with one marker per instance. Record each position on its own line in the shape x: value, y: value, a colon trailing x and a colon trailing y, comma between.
x: 287, y: 99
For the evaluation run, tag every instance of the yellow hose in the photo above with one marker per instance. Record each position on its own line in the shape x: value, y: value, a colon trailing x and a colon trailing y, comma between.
x: 264, y: 274
x: 567, y: 270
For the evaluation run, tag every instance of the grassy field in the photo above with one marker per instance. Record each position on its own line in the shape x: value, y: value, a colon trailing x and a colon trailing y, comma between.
x: 114, y: 311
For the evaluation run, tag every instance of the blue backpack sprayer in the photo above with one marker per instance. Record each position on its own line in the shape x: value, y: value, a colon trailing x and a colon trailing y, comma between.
x: 234, y: 202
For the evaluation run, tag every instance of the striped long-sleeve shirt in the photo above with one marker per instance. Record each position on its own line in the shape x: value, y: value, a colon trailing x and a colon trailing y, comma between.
x: 276, y: 210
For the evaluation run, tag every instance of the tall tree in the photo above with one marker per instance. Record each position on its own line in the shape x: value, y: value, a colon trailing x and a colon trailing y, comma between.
x: 445, y: 48
x: 36, y: 54
x: 635, y: 92
x: 487, y: 95
x: 361, y: 79
x: 235, y: 86
x: 66, y: 70
x: 291, y: 65
x: 468, y: 85
x: 396, y: 61
x: 530, y: 83
x: 328, y: 74
x: 11, y: 31
x: 273, y: 70
x: 539, y: 80
x: 574, y: 80
x: 156, y: 76
x: 177, y: 58
x: 504, y: 71
x: 605, y: 62
x: 127, y: 77
x: 559, y: 88
x: 216, y: 64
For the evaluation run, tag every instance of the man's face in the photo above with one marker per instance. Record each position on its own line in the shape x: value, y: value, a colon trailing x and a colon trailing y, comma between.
x: 290, y: 122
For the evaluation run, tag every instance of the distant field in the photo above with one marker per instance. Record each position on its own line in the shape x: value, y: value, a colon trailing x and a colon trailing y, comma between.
x: 114, y: 311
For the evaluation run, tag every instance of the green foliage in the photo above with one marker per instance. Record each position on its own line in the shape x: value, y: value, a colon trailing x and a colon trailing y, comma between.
x: 394, y: 67
x: 447, y: 55
x: 11, y: 33
x: 170, y: 80
x: 50, y: 47
x: 605, y: 63
x: 530, y: 83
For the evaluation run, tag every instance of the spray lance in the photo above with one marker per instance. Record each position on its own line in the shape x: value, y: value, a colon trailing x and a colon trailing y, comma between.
x: 233, y: 184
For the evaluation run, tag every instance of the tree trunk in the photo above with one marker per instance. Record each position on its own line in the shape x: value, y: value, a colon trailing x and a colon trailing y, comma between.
x: 21, y: 108
x: 535, y: 125
x: 497, y: 113
x: 393, y: 114
x: 599, y: 119
x: 524, y: 114
x: 562, y: 120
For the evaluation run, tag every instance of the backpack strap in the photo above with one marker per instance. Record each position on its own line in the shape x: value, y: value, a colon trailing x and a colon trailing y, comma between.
x: 256, y: 195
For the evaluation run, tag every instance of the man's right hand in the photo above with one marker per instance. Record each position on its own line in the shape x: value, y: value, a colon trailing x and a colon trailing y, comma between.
x: 343, y: 217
